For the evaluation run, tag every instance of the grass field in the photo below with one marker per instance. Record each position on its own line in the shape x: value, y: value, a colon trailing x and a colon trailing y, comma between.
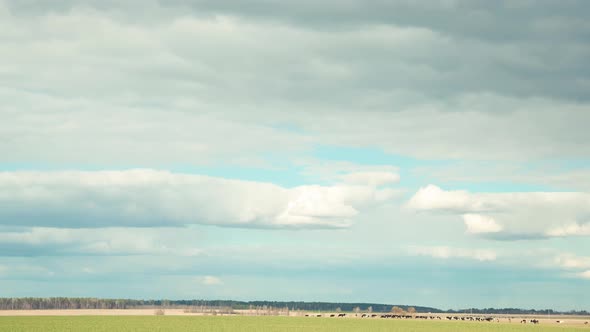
x: 241, y: 323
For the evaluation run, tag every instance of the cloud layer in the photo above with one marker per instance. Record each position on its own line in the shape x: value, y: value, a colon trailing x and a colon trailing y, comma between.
x: 43, y: 241
x: 154, y: 89
x: 159, y: 198
x: 510, y: 215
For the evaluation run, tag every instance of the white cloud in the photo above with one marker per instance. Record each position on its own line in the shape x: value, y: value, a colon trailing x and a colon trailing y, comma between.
x: 445, y: 252
x: 571, y: 261
x: 511, y: 215
x: 211, y: 281
x: 156, y: 97
x: 434, y: 198
x: 160, y: 198
x: 477, y: 224
x: 584, y: 275
x: 573, y: 229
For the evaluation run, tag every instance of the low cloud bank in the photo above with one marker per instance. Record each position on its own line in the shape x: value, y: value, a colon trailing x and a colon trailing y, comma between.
x: 151, y: 198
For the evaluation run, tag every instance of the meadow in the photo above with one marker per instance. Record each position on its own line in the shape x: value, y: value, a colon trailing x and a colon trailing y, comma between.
x: 246, y: 324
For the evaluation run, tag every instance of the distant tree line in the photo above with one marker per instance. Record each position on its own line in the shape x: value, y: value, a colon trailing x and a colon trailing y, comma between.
x: 34, y: 303
x: 38, y: 303
x: 340, y: 307
x: 516, y: 311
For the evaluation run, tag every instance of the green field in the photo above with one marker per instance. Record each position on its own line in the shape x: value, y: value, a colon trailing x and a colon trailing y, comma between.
x: 240, y: 323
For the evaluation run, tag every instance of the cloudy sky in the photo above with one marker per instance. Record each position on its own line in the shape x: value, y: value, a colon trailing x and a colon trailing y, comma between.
x: 411, y: 152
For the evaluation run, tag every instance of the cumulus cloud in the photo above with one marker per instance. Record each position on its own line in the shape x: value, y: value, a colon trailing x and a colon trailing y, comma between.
x: 511, y: 215
x: 434, y: 198
x: 573, y: 229
x: 571, y: 261
x: 477, y: 224
x: 160, y: 198
x: 445, y: 252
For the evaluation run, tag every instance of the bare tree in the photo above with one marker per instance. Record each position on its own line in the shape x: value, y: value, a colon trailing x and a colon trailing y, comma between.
x: 397, y: 310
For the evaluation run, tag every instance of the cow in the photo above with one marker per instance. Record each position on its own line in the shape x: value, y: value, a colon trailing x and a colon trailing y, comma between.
x: 341, y: 315
x: 523, y: 321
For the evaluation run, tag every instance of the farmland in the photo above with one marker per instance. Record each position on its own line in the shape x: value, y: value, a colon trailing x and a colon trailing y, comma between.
x: 244, y: 323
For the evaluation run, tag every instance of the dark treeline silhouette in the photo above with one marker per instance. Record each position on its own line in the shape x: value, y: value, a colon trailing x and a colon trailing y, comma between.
x: 32, y: 303
x: 37, y: 303
x: 333, y: 306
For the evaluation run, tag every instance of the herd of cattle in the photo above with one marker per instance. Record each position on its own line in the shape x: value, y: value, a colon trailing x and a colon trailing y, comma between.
x: 451, y: 318
x: 463, y: 318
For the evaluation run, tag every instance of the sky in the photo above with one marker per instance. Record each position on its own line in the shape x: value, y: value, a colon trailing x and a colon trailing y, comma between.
x: 428, y: 153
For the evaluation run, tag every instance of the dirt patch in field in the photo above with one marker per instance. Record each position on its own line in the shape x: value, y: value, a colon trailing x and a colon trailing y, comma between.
x: 94, y: 312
